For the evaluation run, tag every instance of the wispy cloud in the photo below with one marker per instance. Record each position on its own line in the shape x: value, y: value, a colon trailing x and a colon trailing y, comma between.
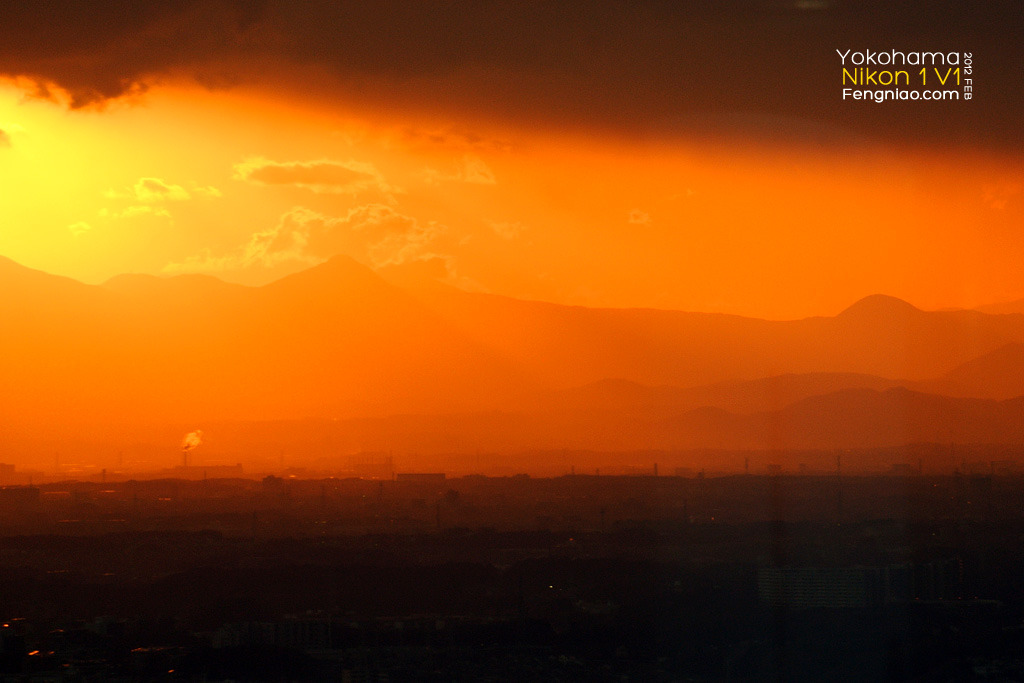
x: 999, y: 196
x: 322, y: 176
x: 638, y: 217
x: 157, y: 190
x: 79, y: 228
x: 507, y: 230
x: 374, y: 233
x: 471, y: 169
x: 453, y: 139
x: 136, y: 210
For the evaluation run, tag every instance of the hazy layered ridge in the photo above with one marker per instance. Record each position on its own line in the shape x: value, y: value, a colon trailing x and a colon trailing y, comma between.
x: 351, y: 353
x: 878, y: 335
x: 332, y: 340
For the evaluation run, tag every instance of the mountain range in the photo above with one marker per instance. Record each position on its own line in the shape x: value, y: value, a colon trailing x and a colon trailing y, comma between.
x: 387, y: 363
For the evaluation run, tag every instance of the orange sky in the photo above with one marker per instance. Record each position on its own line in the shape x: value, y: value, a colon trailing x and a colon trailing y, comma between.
x: 601, y: 154
x: 691, y: 156
x: 248, y: 186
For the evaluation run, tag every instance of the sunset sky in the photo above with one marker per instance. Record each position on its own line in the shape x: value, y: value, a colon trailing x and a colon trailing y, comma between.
x: 693, y: 156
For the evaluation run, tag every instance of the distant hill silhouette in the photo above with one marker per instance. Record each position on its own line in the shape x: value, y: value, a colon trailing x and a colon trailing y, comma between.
x: 877, y: 336
x: 339, y: 342
x: 770, y: 393
x: 1006, y: 308
x: 998, y: 374
x: 880, y: 307
x: 331, y: 340
x: 860, y: 418
x: 847, y: 419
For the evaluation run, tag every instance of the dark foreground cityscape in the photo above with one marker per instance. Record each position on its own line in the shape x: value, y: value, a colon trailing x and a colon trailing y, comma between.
x: 421, y: 577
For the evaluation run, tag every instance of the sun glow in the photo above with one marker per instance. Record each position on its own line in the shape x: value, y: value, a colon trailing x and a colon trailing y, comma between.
x: 247, y: 186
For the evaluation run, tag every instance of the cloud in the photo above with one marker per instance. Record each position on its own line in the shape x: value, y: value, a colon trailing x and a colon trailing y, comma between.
x: 322, y: 176
x: 425, y: 267
x: 999, y: 196
x: 474, y: 170
x: 5, y: 139
x: 288, y: 240
x: 507, y: 231
x: 451, y: 138
x: 99, y: 51
x: 79, y: 228
x: 373, y: 233
x: 393, y: 238
x: 208, y: 192
x: 156, y: 190
x: 205, y: 261
x: 613, y: 66
x: 136, y: 210
x: 638, y: 217
x: 471, y: 169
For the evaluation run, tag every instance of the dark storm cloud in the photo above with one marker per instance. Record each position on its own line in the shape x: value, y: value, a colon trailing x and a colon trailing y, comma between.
x: 102, y: 50
x: 649, y: 68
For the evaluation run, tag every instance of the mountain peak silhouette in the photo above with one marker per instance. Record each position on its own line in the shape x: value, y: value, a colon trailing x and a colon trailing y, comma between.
x: 22, y: 282
x: 997, y: 374
x: 339, y: 272
x: 879, y: 306
x: 11, y: 268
